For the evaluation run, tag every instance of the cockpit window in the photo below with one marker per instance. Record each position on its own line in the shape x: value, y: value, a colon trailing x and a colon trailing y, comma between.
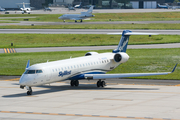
x: 33, y: 71
x: 30, y: 72
x: 38, y: 71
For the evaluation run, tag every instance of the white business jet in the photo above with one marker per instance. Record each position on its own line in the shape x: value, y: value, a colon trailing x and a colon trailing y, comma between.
x: 78, y: 6
x: 25, y: 9
x: 76, y: 17
x: 91, y: 66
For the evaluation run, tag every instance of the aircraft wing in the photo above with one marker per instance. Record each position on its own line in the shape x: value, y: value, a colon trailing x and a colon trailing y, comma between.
x: 109, y: 76
x: 75, y: 18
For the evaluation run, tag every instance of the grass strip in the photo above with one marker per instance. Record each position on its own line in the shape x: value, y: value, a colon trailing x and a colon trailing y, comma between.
x: 141, y: 60
x: 151, y: 16
x: 56, y: 40
x: 152, y: 26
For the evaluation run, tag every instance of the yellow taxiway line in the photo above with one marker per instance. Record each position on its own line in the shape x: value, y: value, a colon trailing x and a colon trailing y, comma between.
x: 78, y: 115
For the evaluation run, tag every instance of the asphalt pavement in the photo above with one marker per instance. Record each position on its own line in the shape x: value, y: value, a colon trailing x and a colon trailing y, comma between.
x: 82, y: 31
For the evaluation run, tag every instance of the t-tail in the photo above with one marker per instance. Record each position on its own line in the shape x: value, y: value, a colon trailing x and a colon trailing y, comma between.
x: 123, y: 43
x: 90, y: 10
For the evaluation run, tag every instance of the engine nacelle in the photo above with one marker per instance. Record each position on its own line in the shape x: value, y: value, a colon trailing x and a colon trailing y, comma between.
x: 121, y: 57
x: 91, y: 53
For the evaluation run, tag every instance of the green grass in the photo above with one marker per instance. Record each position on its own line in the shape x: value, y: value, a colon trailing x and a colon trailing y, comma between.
x: 156, y: 26
x: 158, y: 16
x: 8, y: 22
x: 55, y: 40
x: 141, y: 60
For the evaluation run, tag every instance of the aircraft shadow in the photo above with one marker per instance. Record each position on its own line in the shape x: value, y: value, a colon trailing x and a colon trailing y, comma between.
x: 53, y: 89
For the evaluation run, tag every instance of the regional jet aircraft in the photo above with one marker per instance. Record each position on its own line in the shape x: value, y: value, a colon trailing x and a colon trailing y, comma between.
x: 76, y: 17
x: 92, y: 66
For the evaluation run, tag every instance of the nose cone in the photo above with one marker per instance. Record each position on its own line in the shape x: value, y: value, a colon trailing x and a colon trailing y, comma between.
x: 60, y: 17
x: 22, y: 81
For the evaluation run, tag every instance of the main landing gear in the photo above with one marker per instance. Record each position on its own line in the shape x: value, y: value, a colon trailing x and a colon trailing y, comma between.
x: 81, y: 21
x: 101, y: 83
x: 74, y: 83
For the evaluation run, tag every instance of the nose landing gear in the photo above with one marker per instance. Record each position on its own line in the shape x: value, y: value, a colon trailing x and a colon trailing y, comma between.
x: 29, y: 92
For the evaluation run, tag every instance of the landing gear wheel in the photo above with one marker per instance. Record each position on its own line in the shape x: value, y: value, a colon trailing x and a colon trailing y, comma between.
x: 81, y: 21
x: 99, y: 83
x: 29, y: 92
x: 103, y: 83
x: 76, y: 83
x: 64, y: 21
x: 72, y: 83
x: 75, y: 21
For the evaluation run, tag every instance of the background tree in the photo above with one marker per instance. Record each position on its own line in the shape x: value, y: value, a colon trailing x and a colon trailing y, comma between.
x: 176, y: 1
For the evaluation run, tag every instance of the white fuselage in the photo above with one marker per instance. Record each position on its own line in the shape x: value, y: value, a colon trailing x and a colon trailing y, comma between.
x: 75, y: 16
x: 69, y: 69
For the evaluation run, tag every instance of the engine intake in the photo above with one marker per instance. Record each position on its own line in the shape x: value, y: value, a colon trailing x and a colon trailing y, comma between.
x: 91, y: 53
x: 121, y: 57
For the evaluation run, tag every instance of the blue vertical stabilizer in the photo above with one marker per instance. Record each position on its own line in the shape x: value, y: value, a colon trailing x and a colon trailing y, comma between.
x: 122, y: 46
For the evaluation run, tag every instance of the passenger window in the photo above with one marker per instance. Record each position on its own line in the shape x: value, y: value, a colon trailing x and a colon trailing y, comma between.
x: 102, y: 62
x: 61, y: 68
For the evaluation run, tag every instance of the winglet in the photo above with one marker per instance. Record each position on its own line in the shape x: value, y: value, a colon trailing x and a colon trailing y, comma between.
x: 174, y: 68
x: 28, y: 64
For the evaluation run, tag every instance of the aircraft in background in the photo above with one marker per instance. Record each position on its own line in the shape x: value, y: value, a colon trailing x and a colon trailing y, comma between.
x: 47, y: 9
x: 71, y: 8
x: 2, y: 9
x: 78, y: 6
x: 92, y: 66
x: 76, y: 17
x: 168, y: 6
x: 25, y: 9
x: 163, y: 6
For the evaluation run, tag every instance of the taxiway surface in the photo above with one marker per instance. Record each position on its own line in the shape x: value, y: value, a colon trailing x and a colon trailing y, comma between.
x: 83, y: 31
x: 115, y: 101
x: 90, y: 48
x: 30, y: 23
